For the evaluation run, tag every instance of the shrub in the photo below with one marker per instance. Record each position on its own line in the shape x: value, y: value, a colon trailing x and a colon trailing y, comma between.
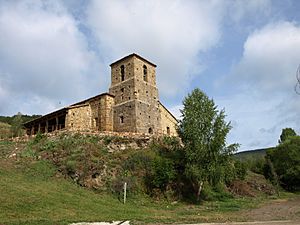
x: 161, y: 174
x: 286, y: 160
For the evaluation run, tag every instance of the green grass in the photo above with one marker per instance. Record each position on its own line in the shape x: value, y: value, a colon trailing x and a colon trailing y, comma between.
x: 32, y: 194
x: 32, y: 191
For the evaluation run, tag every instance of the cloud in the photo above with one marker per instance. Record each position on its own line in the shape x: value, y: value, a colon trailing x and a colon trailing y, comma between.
x: 169, y: 33
x: 264, y: 101
x: 271, y: 57
x: 239, y: 10
x: 41, y: 53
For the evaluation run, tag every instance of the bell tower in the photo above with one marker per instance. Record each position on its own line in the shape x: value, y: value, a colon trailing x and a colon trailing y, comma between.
x: 133, y: 83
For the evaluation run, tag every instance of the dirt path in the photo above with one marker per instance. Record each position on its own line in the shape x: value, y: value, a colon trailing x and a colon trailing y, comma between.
x: 276, y: 212
x: 253, y: 223
x: 281, y: 209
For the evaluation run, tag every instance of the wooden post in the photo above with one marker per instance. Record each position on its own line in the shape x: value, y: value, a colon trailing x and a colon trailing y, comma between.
x: 125, y: 187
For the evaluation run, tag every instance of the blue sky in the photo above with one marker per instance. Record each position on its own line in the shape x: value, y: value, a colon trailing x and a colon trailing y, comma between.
x: 243, y: 54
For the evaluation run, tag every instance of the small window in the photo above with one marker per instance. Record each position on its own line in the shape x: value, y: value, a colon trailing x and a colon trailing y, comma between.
x: 150, y: 131
x: 122, y: 73
x: 168, y: 130
x: 121, y: 119
x: 96, y: 122
x: 145, y: 73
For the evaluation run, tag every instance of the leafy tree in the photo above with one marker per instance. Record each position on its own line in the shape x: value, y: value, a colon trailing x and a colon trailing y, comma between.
x: 203, y: 131
x: 285, y: 134
x: 286, y: 161
x: 161, y: 174
x: 17, y: 125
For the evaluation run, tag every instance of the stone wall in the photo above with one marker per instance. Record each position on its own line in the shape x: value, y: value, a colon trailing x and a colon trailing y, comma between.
x: 106, y: 113
x: 116, y: 71
x: 123, y: 91
x: 124, y: 117
x: 132, y: 105
x: 101, y: 111
x: 136, y: 106
x: 147, y: 110
x: 168, y: 122
x: 79, y: 117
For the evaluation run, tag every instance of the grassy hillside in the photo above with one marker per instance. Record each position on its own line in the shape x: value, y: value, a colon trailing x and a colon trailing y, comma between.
x: 5, y: 130
x: 41, y: 182
x: 252, y: 154
x: 32, y: 192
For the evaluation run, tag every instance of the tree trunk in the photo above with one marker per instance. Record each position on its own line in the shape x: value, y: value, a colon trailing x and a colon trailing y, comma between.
x: 200, y: 185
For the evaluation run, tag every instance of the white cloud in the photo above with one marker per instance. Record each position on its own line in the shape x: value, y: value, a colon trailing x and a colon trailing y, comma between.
x: 265, y: 78
x: 240, y: 9
x: 271, y: 57
x: 41, y: 53
x: 169, y: 33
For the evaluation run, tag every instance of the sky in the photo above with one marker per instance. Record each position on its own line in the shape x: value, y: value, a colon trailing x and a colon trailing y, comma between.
x: 242, y: 54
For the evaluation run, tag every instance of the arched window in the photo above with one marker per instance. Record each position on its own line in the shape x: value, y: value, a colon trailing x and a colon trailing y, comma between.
x: 121, y: 119
x: 122, y: 73
x: 145, y: 73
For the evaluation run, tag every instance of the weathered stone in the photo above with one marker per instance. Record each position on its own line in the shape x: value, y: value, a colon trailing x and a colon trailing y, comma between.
x: 132, y: 105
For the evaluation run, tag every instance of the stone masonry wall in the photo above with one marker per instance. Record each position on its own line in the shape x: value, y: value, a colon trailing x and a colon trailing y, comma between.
x: 136, y: 106
x: 116, y: 71
x: 79, y: 118
x: 147, y: 110
x: 101, y: 111
x: 167, y: 120
x: 124, y: 117
x: 106, y: 113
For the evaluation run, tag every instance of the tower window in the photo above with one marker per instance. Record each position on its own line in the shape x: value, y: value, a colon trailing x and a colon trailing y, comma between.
x: 145, y: 73
x: 168, y: 130
x: 122, y: 73
x: 121, y: 119
x: 150, y: 130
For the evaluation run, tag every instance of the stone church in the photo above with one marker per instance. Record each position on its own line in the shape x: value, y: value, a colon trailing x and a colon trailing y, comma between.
x: 131, y: 105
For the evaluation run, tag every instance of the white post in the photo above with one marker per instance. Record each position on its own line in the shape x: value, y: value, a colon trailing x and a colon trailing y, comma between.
x: 125, y: 187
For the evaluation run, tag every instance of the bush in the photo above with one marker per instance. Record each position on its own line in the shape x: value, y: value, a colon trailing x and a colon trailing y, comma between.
x: 161, y: 174
x: 218, y: 192
x: 286, y: 160
x: 240, y: 169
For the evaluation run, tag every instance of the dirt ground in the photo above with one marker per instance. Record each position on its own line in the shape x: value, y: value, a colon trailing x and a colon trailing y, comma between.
x: 280, y: 209
x: 276, y: 212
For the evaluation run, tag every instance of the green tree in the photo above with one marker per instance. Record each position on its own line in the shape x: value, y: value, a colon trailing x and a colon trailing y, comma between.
x: 203, y: 131
x: 17, y: 125
x: 285, y: 134
x: 286, y: 161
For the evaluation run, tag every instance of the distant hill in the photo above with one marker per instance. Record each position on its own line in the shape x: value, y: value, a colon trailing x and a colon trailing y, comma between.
x: 252, y: 154
x: 25, y: 118
x: 12, y: 126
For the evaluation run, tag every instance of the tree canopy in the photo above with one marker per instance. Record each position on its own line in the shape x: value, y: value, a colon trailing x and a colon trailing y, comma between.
x: 203, y: 131
x: 285, y: 134
x: 285, y: 159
